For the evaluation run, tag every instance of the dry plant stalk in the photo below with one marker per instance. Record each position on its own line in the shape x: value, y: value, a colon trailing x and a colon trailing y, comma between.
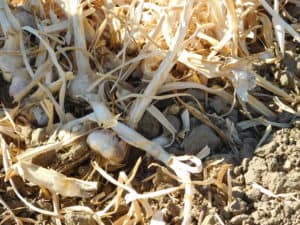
x: 54, y: 181
x: 74, y: 47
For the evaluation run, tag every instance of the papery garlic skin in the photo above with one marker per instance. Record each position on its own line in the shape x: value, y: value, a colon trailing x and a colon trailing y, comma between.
x: 80, y: 85
x: 108, y: 145
x: 20, y: 79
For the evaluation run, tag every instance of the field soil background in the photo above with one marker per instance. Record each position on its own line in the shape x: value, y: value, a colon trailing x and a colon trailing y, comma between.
x: 150, y: 112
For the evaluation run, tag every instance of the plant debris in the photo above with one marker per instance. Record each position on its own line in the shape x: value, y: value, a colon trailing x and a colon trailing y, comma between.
x: 85, y: 85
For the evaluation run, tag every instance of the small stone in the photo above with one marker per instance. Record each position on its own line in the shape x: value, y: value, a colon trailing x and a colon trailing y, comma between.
x: 239, y: 219
x: 237, y: 192
x: 198, y: 94
x: 238, y: 206
x: 218, y: 105
x: 199, y: 138
x: 149, y: 126
x: 234, y: 116
x: 248, y: 147
x: 39, y: 116
x: 175, y: 121
x: 287, y: 165
x: 194, y: 122
x: 174, y: 109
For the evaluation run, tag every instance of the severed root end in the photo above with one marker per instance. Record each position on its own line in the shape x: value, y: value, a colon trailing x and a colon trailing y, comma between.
x: 185, y: 165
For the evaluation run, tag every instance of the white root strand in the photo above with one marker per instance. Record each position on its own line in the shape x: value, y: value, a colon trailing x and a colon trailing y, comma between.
x: 280, y: 21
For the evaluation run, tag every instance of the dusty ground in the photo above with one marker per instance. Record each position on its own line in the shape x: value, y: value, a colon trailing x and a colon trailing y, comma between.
x: 275, y: 165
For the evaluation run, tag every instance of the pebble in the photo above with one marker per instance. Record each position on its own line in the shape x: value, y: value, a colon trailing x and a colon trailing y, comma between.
x: 175, y: 121
x: 174, y: 109
x: 149, y: 126
x: 248, y: 147
x: 238, y: 192
x: 218, y: 105
x: 234, y: 116
x: 199, y: 138
x: 237, y: 206
x: 194, y: 122
x: 198, y: 94
x: 239, y: 219
x: 39, y: 116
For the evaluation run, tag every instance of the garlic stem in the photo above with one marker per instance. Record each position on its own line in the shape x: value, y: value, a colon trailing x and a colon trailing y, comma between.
x: 82, y: 61
x: 141, y: 104
x: 83, y: 80
x: 9, y: 63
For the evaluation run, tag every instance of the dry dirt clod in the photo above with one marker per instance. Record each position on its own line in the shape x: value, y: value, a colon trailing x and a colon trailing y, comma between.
x: 256, y: 167
x: 199, y: 138
x: 135, y: 45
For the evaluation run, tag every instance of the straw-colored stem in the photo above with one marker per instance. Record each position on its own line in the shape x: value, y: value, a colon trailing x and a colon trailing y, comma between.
x: 140, y: 106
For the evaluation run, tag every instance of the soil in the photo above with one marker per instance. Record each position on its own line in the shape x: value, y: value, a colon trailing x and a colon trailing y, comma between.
x: 255, y: 185
x: 274, y: 166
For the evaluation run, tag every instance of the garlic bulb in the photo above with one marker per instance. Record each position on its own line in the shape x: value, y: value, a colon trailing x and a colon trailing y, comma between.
x: 108, y: 145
